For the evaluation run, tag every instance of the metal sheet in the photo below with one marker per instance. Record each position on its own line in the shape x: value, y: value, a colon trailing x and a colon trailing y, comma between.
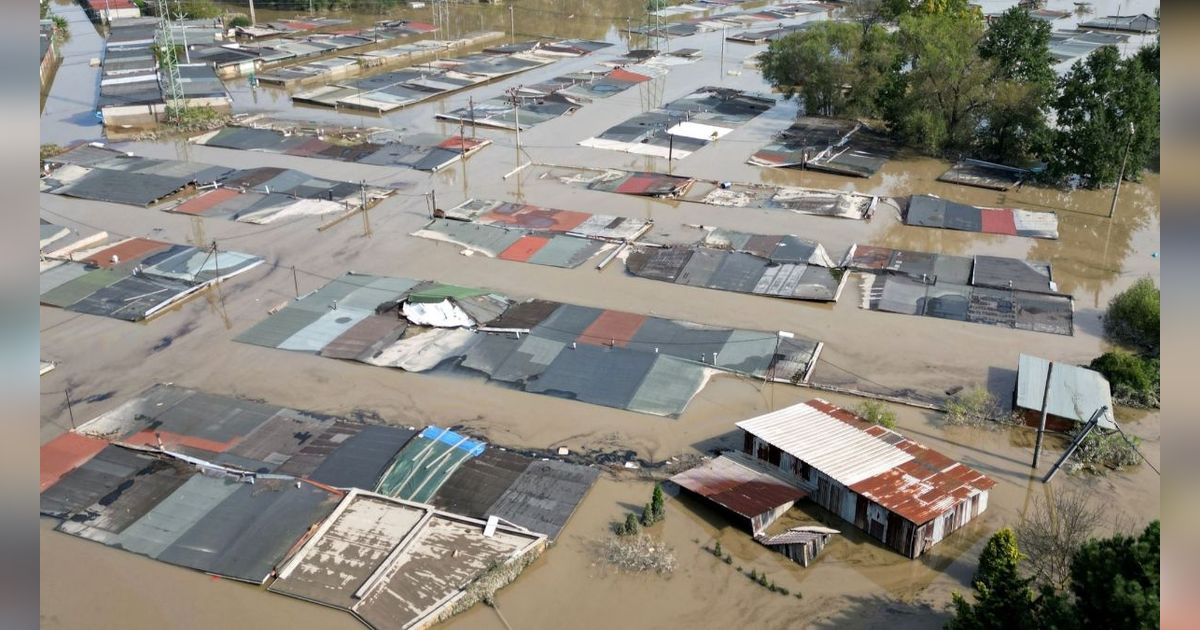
x: 545, y: 496
x: 668, y: 387
x: 601, y: 376
x: 361, y: 460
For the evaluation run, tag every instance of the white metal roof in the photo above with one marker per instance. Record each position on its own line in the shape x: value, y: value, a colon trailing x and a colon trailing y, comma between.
x: 829, y: 445
x: 1075, y: 392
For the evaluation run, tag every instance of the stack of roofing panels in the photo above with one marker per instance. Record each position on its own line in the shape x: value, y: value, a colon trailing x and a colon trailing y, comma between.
x: 984, y: 175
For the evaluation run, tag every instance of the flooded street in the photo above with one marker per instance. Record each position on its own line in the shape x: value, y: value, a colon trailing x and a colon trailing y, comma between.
x: 856, y: 582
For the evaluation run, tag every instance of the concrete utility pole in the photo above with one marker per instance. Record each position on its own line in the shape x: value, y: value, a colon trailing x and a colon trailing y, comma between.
x: 1113, y: 208
x: 1037, y: 445
x: 512, y: 25
x: 253, y: 20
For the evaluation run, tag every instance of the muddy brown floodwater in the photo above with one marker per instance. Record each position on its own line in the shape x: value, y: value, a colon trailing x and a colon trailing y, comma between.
x: 854, y: 583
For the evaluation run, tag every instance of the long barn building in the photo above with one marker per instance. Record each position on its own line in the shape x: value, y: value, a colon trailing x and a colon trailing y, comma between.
x: 902, y: 493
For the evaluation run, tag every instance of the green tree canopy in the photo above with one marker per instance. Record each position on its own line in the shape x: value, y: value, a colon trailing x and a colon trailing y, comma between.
x: 1116, y: 581
x: 1020, y: 45
x: 1003, y: 599
x: 935, y: 100
x: 1132, y: 318
x: 819, y: 64
x: 1105, y: 103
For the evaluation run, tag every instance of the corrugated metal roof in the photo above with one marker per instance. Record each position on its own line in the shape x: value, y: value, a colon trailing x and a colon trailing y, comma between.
x: 836, y: 448
x: 64, y: 454
x: 801, y: 534
x: 903, y: 476
x: 740, y: 484
x: 544, y: 496
x: 1075, y: 392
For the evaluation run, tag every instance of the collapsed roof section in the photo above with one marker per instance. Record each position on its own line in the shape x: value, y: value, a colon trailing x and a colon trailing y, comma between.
x: 832, y: 145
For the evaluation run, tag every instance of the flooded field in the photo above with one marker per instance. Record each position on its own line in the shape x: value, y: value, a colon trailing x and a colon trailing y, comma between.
x: 856, y: 582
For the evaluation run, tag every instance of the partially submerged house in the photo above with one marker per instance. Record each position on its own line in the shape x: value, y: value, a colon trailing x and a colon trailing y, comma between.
x: 754, y: 493
x: 902, y: 493
x: 799, y: 544
x: 1069, y: 393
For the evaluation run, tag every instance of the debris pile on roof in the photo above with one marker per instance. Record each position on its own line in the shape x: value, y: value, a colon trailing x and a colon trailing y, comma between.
x: 611, y: 358
x: 982, y: 289
x: 684, y: 125
x: 935, y: 212
x: 253, y: 491
x: 525, y: 233
x: 783, y: 266
x: 985, y: 175
x: 828, y: 203
x: 257, y: 195
x: 841, y: 147
x: 134, y: 279
x: 375, y: 146
x: 763, y: 36
x: 730, y: 19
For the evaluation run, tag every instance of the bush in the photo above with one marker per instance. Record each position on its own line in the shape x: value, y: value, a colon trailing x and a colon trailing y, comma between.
x: 1132, y: 317
x: 1106, y: 450
x: 973, y: 407
x: 876, y: 412
x: 239, y: 21
x: 1134, y: 380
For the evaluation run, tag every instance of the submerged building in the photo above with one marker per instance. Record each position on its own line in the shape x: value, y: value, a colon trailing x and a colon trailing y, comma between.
x: 902, y: 493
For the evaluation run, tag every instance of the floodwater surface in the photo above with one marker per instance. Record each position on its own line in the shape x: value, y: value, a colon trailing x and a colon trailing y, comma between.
x: 854, y: 583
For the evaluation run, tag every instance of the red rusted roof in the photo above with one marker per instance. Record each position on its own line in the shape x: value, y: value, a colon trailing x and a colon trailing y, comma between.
x: 998, y: 221
x: 871, y: 257
x: 920, y: 489
x: 64, y: 454
x: 203, y: 203
x: 170, y: 440
x: 739, y: 484
x: 126, y: 251
x: 614, y: 327
x: 621, y: 74
x: 535, y: 218
x: 459, y: 143
x: 524, y: 248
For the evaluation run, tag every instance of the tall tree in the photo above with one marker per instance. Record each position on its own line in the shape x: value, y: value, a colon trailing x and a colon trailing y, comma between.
x: 1105, y: 103
x: 1116, y: 581
x: 825, y: 66
x: 1014, y: 129
x: 1003, y: 599
x: 935, y: 100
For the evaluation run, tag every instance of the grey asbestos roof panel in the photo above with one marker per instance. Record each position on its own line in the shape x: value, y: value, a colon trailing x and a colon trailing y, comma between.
x: 545, y: 495
x: 277, y: 328
x: 478, y: 483
x: 139, y: 189
x: 593, y: 374
x: 247, y: 535
x: 361, y: 460
x: 98, y: 477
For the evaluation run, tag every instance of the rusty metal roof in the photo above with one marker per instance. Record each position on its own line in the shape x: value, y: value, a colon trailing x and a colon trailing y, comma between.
x: 901, y: 475
x: 737, y: 482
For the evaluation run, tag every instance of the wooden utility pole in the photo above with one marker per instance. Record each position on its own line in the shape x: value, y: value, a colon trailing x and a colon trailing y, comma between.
x: 1113, y: 208
x: 1037, y: 445
x: 362, y: 188
x: 296, y: 280
x: 70, y: 411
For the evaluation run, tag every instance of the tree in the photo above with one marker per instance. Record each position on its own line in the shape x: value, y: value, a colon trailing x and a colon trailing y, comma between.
x: 1132, y: 318
x: 973, y: 407
x: 630, y: 526
x: 897, y: 8
x: 647, y: 515
x: 658, y: 503
x: 1115, y: 581
x: 1014, y: 129
x: 1003, y: 599
x: 1053, y: 531
x: 935, y: 100
x: 1135, y: 381
x: 816, y: 63
x: 1105, y: 104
